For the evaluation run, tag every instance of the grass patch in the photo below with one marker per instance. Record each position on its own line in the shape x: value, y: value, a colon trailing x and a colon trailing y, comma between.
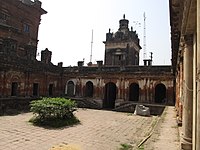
x: 126, y: 147
x: 54, y: 122
x: 129, y: 114
x: 154, y: 122
x: 141, y: 147
x: 175, y: 126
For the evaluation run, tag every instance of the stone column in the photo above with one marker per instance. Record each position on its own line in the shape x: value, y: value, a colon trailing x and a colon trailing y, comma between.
x: 181, y: 93
x: 4, y: 84
x: 126, y: 88
x: 177, y: 105
x: 198, y: 78
x: 194, y: 93
x: 147, y: 90
x: 123, y: 89
x: 188, y: 93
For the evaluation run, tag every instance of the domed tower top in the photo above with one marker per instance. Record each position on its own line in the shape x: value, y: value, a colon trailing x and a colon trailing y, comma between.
x: 123, y: 24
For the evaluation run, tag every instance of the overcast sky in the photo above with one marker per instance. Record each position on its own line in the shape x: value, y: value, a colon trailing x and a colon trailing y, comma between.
x: 66, y: 29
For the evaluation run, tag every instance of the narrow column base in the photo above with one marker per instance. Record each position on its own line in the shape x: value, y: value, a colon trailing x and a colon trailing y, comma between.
x: 179, y: 121
x: 186, y: 143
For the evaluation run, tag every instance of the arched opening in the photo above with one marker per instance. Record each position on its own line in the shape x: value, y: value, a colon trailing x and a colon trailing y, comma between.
x: 160, y: 93
x: 89, y: 89
x: 50, y: 89
x: 70, y: 88
x: 134, y: 92
x: 110, y: 95
x: 14, y: 89
x: 35, y: 89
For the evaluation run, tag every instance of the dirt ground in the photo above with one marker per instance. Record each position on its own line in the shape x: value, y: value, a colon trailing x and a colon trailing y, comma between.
x: 165, y: 135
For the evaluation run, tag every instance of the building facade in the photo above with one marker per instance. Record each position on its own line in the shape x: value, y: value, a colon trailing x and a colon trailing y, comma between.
x: 19, y: 22
x: 118, y: 80
x: 122, y: 48
x: 185, y: 37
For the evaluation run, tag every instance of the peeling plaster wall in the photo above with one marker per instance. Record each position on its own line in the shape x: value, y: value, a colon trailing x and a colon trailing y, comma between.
x: 146, y: 86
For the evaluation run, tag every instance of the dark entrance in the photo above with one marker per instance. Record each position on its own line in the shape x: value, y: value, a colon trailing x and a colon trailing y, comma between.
x: 14, y: 89
x: 50, y: 89
x: 89, y: 89
x: 70, y: 88
x: 134, y: 92
x: 110, y: 95
x: 35, y: 89
x: 160, y: 93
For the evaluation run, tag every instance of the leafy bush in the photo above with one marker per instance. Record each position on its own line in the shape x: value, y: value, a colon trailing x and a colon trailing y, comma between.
x: 53, y: 111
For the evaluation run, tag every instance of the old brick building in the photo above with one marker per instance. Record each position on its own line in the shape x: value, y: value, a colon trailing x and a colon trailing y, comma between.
x: 21, y: 75
x: 185, y: 37
x: 19, y: 22
x: 119, y: 80
x: 122, y: 48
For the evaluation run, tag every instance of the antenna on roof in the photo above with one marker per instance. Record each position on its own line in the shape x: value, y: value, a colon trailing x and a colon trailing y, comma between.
x: 91, y: 47
x: 144, y: 40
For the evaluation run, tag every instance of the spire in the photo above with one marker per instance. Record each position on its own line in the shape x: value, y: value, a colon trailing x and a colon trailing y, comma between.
x: 123, y: 24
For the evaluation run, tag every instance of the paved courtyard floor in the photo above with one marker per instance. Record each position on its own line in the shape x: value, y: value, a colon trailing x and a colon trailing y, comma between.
x: 98, y: 130
x: 166, y: 133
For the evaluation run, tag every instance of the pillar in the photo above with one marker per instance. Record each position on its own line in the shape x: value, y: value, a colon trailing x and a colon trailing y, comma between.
x: 126, y: 90
x: 197, y: 144
x: 178, y: 102
x: 194, y: 94
x: 188, y: 93
x: 123, y: 89
x: 181, y: 93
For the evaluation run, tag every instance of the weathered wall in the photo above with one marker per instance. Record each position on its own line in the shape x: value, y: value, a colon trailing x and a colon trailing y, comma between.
x: 21, y: 75
x: 147, y: 82
x: 19, y: 24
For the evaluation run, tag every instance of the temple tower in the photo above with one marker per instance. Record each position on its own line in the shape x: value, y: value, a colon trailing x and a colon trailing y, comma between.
x: 122, y: 47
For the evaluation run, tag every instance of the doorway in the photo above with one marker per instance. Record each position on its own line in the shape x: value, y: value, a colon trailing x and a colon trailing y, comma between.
x: 89, y: 89
x: 50, y: 89
x: 134, y: 92
x: 35, y: 89
x: 14, y: 89
x: 160, y: 93
x: 110, y: 95
x: 70, y: 88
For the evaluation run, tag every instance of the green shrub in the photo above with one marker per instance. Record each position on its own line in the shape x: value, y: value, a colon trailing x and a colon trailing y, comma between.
x: 53, y: 111
x: 126, y: 147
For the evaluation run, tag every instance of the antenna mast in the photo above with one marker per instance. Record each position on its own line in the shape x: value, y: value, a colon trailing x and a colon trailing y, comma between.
x: 144, y: 40
x: 91, y: 47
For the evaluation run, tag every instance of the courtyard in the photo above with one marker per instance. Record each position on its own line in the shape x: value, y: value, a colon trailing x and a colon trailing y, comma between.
x: 98, y: 130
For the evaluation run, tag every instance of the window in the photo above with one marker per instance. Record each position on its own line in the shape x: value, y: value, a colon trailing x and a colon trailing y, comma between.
x: 26, y: 28
x: 4, y: 15
x: 9, y: 45
x: 120, y: 57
